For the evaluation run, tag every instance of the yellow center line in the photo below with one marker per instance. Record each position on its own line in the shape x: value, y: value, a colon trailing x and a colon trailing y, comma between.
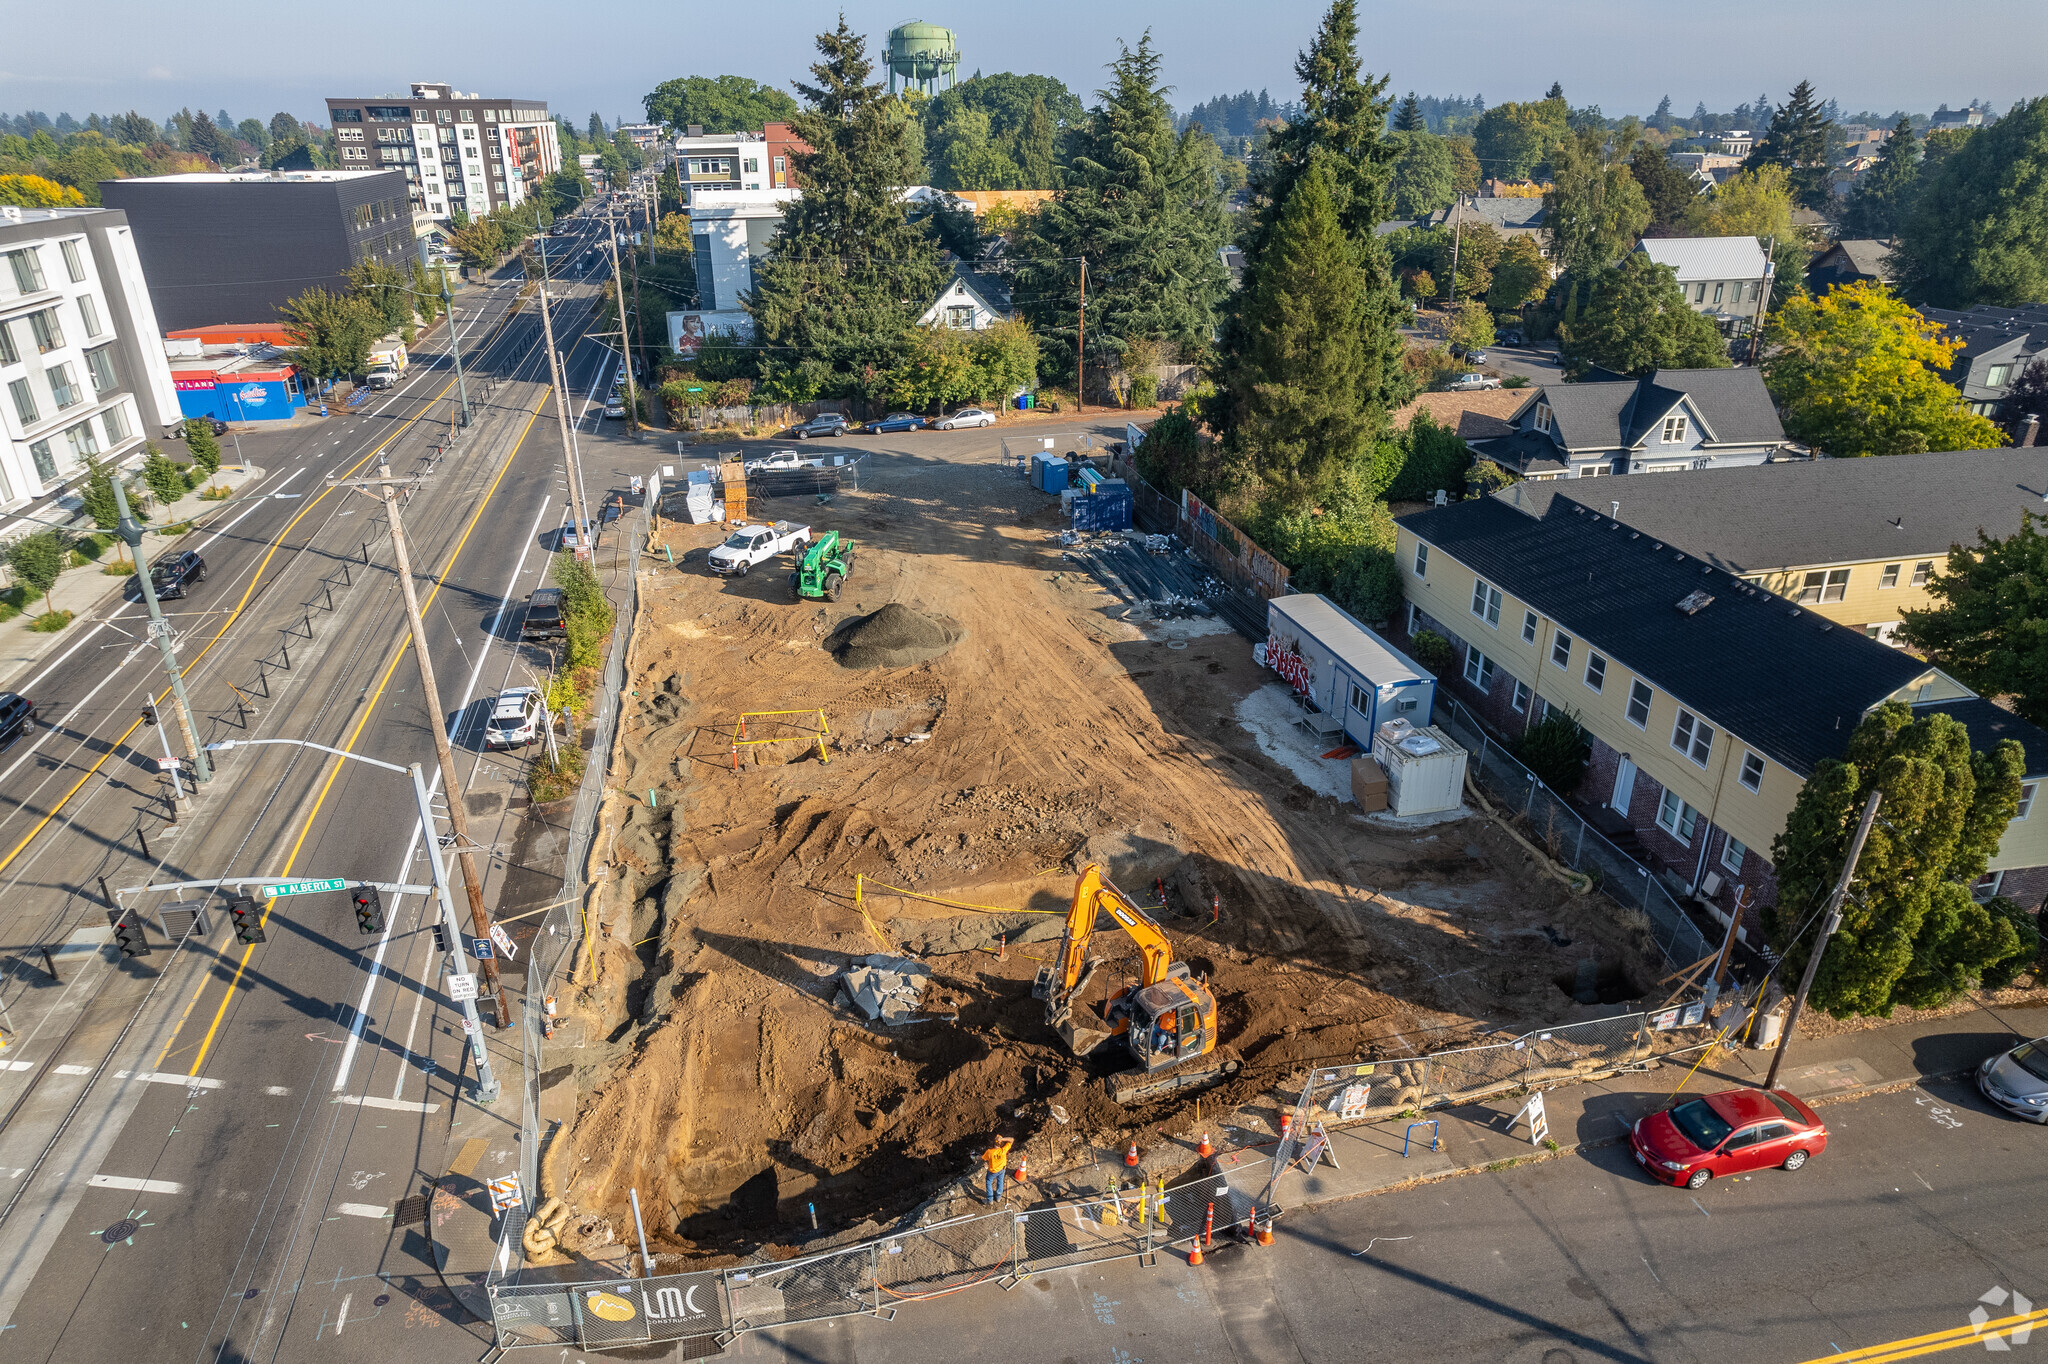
x: 335, y: 764
x: 1954, y: 1338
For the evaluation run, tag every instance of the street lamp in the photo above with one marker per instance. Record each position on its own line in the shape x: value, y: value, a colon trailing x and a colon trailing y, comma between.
x: 487, y: 1083
x: 130, y: 531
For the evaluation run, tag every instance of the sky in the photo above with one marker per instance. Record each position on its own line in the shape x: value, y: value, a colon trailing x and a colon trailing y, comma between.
x: 1620, y: 54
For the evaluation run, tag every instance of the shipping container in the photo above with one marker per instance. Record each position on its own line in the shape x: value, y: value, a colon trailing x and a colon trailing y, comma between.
x: 1425, y: 768
x: 1343, y: 668
x: 1109, y: 508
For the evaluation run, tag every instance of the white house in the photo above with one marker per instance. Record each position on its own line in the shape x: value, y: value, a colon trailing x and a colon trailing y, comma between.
x: 971, y: 302
x: 1727, y: 278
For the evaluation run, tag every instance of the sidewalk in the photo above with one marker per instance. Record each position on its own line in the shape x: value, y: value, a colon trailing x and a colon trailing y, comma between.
x: 94, y: 595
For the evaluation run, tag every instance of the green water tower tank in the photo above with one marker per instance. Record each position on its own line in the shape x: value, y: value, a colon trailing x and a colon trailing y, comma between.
x: 923, y: 55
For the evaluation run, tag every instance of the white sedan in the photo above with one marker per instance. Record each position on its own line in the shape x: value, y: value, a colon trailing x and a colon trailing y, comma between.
x: 515, y: 718
x: 966, y: 418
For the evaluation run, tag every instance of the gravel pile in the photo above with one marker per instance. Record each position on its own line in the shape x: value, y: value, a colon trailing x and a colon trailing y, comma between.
x: 893, y: 637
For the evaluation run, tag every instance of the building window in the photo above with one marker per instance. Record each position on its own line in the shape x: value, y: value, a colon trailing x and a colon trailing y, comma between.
x: 1732, y: 853
x: 1528, y: 627
x: 468, y: 116
x: 1596, y: 671
x: 1674, y: 429
x: 445, y: 115
x: 1543, y: 418
x: 1639, y: 704
x: 1486, y: 602
x: 960, y: 315
x: 1692, y: 736
x: 82, y: 441
x: 1520, y: 699
x: 1717, y: 292
x: 1699, y: 293
x: 73, y: 265
x: 1591, y: 470
x: 1561, y: 649
x: 2026, y: 807
x: 1752, y: 771
x: 1987, y: 886
x: 1921, y: 572
x: 1421, y: 560
x: 116, y: 418
x: 781, y: 164
x: 24, y: 401
x: 1414, y: 619
x: 43, y: 326
x: 28, y: 271
x: 90, y: 311
x: 1478, y: 669
x: 1994, y: 379
x: 66, y: 393
x: 347, y: 115
x: 752, y: 166
x: 8, y: 354
x: 1824, y: 585
x: 46, y: 463
x: 100, y: 364
x: 1890, y: 576
x: 1677, y: 818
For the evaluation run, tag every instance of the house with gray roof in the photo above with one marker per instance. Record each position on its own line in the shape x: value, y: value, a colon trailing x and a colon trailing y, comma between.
x: 971, y: 301
x: 1670, y: 421
x: 1510, y: 215
x: 1726, y: 278
x: 1998, y: 344
x: 1858, y: 260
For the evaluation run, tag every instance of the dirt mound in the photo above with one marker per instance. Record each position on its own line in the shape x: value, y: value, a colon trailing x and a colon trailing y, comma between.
x: 893, y: 637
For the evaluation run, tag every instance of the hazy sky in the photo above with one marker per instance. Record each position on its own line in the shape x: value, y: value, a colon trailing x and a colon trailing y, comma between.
x: 1620, y: 54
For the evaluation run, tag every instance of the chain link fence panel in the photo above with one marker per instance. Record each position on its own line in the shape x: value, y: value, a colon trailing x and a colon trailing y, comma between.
x: 945, y: 1258
x: 840, y: 1283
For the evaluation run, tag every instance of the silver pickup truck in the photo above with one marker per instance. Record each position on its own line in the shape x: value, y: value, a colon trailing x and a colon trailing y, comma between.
x: 750, y: 545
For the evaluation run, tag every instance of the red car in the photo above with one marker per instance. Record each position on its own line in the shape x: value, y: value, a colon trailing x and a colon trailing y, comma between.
x: 1727, y: 1134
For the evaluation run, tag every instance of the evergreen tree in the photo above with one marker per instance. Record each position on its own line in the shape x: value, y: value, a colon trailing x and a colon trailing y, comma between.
x: 1877, y: 206
x: 595, y: 132
x: 1035, y: 163
x: 1556, y: 90
x: 206, y: 138
x: 1661, y: 119
x: 135, y: 130
x: 1668, y: 189
x: 1408, y: 119
x: 1700, y: 117
x: 284, y: 126
x: 1798, y: 140
x: 1142, y: 206
x: 1978, y: 230
x: 848, y: 275
x: 1988, y: 624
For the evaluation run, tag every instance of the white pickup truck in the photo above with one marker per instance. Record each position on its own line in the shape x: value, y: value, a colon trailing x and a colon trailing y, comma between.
x: 781, y: 459
x: 750, y: 545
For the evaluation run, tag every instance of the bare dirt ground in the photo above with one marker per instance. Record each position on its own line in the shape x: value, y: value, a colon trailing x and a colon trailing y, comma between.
x: 724, y: 1082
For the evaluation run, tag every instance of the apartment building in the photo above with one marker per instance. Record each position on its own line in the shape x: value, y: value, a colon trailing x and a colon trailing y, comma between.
x: 458, y: 152
x: 80, y: 354
x: 725, y: 163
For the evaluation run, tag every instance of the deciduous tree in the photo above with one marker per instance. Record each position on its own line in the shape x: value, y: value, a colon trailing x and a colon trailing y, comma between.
x: 1593, y: 212
x: 1637, y: 321
x: 36, y: 559
x: 722, y: 104
x: 1514, y: 141
x: 1978, y: 232
x: 330, y: 334
x: 1520, y: 276
x: 1425, y: 174
x: 1988, y: 627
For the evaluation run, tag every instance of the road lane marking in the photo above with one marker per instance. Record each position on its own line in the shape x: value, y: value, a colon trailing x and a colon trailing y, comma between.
x: 165, y: 1077
x: 74, y: 1070
x: 395, y: 1105
x: 1956, y: 1337
x: 128, y: 1185
x: 277, y: 1091
x: 376, y: 1210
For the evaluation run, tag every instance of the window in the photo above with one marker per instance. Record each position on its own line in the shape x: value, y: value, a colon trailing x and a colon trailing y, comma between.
x: 2027, y: 790
x: 28, y: 271
x: 24, y: 401
x: 1732, y: 853
x: 1890, y: 576
x: 1674, y: 429
x: 1994, y: 379
x: 1677, y: 818
x: 1478, y: 669
x: 46, y: 463
x: 90, y: 311
x: 8, y: 354
x: 445, y: 115
x: 82, y: 441
x: 1824, y: 585
x: 781, y: 164
x: 1486, y: 602
x: 1528, y: 627
x: 1520, y: 700
x: 1596, y: 671
x: 1692, y: 736
x: 1591, y: 470
x: 1639, y: 704
x: 347, y: 115
x: 116, y: 418
x: 100, y: 364
x: 66, y: 393
x: 43, y: 326
x: 1561, y: 649
x: 1987, y: 885
x: 1543, y: 418
x: 752, y: 165
x: 1921, y: 571
x: 468, y: 116
x: 1414, y: 619
x: 1421, y: 560
x: 1717, y: 292
x: 73, y: 266
x: 1752, y: 771
x: 1699, y: 293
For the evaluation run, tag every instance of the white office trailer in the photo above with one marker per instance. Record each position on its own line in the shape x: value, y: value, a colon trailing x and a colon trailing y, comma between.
x: 1355, y: 679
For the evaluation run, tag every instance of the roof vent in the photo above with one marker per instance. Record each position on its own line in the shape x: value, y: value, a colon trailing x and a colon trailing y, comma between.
x: 1634, y: 534
x: 1692, y: 602
x: 1706, y: 568
x: 1614, y: 509
x: 1826, y: 626
x: 1657, y: 544
x: 1679, y: 557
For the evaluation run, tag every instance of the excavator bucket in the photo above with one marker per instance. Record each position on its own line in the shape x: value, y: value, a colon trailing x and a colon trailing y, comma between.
x: 1082, y: 1033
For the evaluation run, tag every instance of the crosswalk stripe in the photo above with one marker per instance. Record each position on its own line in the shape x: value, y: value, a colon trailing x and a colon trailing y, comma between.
x: 123, y: 1182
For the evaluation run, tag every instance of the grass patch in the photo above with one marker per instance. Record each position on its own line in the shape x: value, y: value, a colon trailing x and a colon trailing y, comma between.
x: 219, y: 492
x: 119, y: 570
x: 175, y: 528
x: 546, y: 782
x: 50, y: 622
x: 12, y: 602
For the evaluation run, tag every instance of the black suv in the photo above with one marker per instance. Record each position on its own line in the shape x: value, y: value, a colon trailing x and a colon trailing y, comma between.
x: 543, y: 618
x: 17, y: 713
x: 173, y: 573
x: 824, y: 424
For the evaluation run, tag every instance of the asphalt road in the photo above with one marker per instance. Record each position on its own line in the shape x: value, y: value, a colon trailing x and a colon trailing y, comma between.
x: 197, y: 1139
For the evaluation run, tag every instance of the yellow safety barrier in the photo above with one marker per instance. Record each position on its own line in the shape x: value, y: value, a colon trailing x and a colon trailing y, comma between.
x: 740, y: 739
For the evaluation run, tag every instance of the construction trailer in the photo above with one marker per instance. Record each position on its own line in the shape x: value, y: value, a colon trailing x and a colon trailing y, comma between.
x: 1355, y: 679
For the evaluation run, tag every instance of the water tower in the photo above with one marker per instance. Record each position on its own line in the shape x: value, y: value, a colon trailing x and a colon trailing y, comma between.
x: 922, y: 54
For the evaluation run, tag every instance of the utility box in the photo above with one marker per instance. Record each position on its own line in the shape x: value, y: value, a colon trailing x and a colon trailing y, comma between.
x: 1348, y: 672
x: 1425, y: 768
x: 1368, y: 784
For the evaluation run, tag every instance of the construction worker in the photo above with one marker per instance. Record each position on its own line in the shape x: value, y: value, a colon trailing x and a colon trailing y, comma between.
x: 995, y: 1160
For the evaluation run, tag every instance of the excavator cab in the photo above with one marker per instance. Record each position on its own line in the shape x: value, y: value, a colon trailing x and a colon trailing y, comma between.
x: 1170, y: 1022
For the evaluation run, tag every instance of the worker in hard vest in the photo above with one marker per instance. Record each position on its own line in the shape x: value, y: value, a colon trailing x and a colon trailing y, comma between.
x: 995, y: 1161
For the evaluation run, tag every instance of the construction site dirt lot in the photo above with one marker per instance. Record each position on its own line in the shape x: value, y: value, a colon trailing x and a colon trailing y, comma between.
x: 724, y: 1078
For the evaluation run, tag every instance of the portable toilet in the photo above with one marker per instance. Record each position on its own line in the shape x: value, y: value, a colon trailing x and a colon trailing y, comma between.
x: 1343, y: 668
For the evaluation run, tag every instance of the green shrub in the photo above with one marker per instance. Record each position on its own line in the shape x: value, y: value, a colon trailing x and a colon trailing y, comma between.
x: 1486, y: 477
x: 13, y: 601
x: 1430, y: 457
x: 1433, y: 652
x: 50, y: 622
x: 200, y: 441
x: 1515, y: 381
x: 2033, y: 956
x: 1555, y: 748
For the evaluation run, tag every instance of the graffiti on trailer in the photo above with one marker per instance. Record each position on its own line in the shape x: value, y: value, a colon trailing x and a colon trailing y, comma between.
x: 1292, y: 667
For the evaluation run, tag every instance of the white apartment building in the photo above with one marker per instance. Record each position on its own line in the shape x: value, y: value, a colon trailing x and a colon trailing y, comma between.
x: 458, y: 151
x: 81, y: 359
x: 729, y: 231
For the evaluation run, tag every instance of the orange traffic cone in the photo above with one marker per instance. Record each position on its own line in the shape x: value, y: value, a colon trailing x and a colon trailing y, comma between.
x: 1195, y: 1252
x: 1205, y: 1150
x: 1131, y: 1156
x: 1018, y: 1173
x: 1265, y: 1233
x: 1286, y: 1125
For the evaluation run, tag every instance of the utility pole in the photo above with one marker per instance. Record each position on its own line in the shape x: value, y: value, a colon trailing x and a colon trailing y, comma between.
x: 486, y: 1083
x: 639, y: 318
x: 458, y: 816
x: 1081, y: 346
x: 1829, y: 924
x: 1763, y: 299
x: 131, y: 531
x: 619, y: 292
x: 1457, y: 238
x: 559, y: 380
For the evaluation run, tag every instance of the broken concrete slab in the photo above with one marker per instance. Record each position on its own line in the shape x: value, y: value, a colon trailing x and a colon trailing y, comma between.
x: 887, y: 988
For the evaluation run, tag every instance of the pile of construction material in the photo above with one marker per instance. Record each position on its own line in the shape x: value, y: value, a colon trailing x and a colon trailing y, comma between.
x: 887, y: 988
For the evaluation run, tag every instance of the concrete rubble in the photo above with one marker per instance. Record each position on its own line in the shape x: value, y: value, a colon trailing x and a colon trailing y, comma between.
x: 887, y: 988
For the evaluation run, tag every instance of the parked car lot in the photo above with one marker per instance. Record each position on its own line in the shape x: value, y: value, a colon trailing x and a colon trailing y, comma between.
x: 1729, y: 1133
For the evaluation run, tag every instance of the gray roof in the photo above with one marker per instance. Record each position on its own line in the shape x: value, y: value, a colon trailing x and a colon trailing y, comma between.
x: 1869, y: 256
x: 1708, y: 257
x: 1989, y: 726
x: 1615, y: 414
x: 1804, y: 513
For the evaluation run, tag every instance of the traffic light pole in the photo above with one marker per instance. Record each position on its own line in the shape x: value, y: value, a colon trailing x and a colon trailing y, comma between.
x: 130, y: 531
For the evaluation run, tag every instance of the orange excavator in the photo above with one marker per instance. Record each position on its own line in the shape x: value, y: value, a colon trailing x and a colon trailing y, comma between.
x: 1168, y: 1019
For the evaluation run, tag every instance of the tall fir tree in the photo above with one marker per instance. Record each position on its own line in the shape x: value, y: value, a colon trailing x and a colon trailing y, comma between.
x: 849, y: 274
x: 1878, y: 205
x: 1661, y: 119
x: 1556, y: 90
x: 1343, y: 119
x: 1035, y: 148
x: 1142, y: 206
x: 1798, y: 140
x: 1408, y: 119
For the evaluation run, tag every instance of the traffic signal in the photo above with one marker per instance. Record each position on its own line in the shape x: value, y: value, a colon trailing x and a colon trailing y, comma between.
x: 128, y: 934
x: 440, y: 938
x: 149, y: 714
x: 248, y: 917
x: 369, y: 909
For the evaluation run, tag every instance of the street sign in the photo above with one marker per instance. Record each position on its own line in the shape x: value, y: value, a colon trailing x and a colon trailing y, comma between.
x: 504, y: 941
x: 461, y: 986
x: 278, y: 888
x: 480, y: 948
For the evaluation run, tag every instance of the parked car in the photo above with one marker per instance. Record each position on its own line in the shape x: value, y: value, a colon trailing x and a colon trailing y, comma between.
x: 515, y: 718
x: 750, y: 545
x: 615, y: 406
x: 543, y: 617
x: 17, y: 714
x: 1475, y: 357
x: 781, y: 459
x: 568, y: 536
x: 1510, y: 338
x: 824, y: 424
x: 171, y: 575
x: 1728, y: 1133
x: 2016, y: 1080
x: 1469, y: 383
x: 896, y: 421
x: 215, y: 425
x: 965, y: 419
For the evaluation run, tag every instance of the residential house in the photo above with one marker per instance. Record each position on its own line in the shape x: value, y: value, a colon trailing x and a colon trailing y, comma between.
x: 1666, y: 422
x: 1998, y: 344
x: 1708, y: 701
x: 1858, y: 260
x: 971, y: 301
x: 729, y: 231
x: 1946, y: 120
x: 736, y: 163
x: 1726, y: 278
x: 1854, y: 540
x: 1511, y: 216
x: 645, y: 136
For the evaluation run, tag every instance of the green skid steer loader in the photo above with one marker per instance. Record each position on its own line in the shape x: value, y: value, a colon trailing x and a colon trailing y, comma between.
x: 827, y: 564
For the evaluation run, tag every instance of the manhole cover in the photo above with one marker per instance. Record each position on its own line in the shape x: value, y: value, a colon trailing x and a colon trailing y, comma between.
x: 120, y: 1231
x: 410, y: 1210
x: 251, y: 1293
